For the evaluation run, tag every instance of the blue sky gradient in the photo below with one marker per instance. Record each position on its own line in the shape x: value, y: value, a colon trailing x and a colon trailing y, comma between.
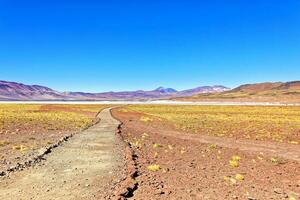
x: 115, y: 45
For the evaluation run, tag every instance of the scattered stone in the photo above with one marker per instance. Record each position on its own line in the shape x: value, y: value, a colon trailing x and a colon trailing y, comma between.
x: 278, y: 191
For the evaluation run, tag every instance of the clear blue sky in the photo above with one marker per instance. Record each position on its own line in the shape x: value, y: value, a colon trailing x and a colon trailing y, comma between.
x: 89, y: 45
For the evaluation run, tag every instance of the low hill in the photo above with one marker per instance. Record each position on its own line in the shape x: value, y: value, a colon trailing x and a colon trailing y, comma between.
x: 288, y: 92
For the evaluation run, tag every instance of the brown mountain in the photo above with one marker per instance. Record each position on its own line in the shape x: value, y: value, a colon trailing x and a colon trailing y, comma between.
x: 260, y: 92
x: 19, y: 91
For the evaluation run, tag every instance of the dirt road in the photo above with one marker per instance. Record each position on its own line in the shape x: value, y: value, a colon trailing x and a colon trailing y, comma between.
x: 85, y: 167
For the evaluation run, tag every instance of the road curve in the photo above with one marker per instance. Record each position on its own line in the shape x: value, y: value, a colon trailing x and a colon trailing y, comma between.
x: 84, y: 167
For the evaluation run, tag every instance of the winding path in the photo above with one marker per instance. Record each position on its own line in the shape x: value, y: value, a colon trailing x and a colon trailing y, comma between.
x: 84, y: 167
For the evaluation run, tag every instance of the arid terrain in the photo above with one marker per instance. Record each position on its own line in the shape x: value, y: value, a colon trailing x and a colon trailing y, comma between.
x: 26, y: 129
x: 86, y: 166
x: 180, y: 155
x: 158, y: 152
x: 150, y: 100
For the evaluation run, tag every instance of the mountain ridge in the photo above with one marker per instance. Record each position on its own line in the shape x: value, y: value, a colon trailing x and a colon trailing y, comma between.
x: 19, y: 91
x: 259, y: 92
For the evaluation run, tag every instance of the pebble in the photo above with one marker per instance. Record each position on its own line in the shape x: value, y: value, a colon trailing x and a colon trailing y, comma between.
x: 278, y: 191
x: 189, y: 191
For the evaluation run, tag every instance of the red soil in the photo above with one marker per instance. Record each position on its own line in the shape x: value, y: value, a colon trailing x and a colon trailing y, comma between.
x: 192, y: 168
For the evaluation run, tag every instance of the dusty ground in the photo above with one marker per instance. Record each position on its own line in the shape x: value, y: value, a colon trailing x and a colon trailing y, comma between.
x: 197, y: 166
x: 87, y: 166
x: 29, y: 128
x: 91, y: 165
x: 261, y: 123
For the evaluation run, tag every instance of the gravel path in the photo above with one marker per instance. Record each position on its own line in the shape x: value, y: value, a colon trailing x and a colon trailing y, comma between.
x: 85, y: 167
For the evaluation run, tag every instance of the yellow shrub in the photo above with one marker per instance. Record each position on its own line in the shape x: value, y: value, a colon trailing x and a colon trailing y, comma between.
x: 233, y: 163
x: 239, y: 177
x: 154, y: 168
x: 146, y: 119
x: 156, y: 145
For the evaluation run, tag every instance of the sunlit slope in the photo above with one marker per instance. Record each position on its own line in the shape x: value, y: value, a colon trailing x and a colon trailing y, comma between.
x: 261, y: 92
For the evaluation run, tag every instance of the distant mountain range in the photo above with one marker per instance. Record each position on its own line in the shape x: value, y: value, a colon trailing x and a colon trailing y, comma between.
x: 19, y: 91
x: 259, y: 92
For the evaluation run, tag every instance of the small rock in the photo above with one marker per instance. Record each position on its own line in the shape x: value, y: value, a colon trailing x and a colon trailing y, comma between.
x: 298, y: 183
x: 189, y: 190
x: 278, y: 191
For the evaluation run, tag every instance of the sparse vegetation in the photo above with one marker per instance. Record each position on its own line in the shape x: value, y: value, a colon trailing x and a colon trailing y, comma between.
x: 276, y: 123
x: 190, y: 157
x: 156, y: 145
x: 25, y: 128
x: 23, y: 118
x: 276, y: 161
x: 146, y: 119
x: 239, y: 177
x: 154, y: 168
x: 212, y: 146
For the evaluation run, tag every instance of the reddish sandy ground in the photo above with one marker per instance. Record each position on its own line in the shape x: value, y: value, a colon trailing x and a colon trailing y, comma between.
x: 193, y: 169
